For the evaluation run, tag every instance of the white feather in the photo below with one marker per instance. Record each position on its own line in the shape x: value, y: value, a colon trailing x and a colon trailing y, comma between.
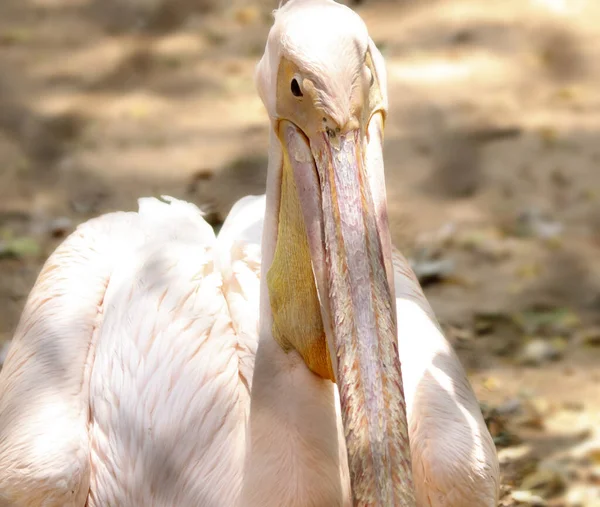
x: 128, y: 380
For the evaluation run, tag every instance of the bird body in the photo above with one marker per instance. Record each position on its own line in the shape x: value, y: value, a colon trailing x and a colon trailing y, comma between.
x: 165, y: 318
x: 164, y: 327
x: 291, y: 360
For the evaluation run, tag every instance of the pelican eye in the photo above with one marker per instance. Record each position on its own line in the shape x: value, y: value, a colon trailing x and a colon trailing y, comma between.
x: 296, y: 91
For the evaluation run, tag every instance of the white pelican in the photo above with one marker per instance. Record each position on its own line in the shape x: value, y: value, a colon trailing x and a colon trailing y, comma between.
x: 131, y: 380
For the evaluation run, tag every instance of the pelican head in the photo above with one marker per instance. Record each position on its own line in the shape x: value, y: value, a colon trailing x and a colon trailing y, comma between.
x: 330, y: 280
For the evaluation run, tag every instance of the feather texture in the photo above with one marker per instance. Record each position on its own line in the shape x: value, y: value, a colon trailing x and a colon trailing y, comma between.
x: 130, y: 371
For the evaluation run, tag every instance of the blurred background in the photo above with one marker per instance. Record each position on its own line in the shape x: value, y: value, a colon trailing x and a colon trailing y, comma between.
x: 492, y: 159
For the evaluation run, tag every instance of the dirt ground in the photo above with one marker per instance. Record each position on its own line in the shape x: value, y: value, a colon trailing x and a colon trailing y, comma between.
x: 492, y: 154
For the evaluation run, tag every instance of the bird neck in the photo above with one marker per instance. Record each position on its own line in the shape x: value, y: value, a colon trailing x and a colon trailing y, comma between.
x: 294, y: 453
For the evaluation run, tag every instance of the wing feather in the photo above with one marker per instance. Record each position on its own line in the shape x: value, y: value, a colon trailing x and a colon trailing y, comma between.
x: 44, y: 409
x: 135, y: 348
x: 454, y: 457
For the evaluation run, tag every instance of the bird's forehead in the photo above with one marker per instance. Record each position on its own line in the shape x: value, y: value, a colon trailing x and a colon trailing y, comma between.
x: 321, y: 35
x: 325, y: 40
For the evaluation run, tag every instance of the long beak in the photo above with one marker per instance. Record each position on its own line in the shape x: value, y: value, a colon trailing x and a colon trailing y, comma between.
x: 358, y: 310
